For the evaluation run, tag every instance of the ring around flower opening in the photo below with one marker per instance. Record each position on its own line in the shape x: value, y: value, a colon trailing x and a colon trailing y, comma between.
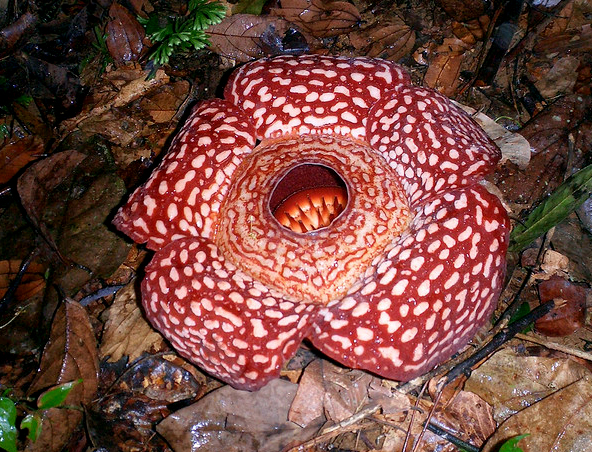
x: 308, y: 197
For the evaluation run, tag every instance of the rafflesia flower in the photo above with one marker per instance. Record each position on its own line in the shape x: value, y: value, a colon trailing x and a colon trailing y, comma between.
x: 325, y: 199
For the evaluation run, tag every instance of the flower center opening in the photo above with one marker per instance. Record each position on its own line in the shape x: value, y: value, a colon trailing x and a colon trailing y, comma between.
x: 308, y: 197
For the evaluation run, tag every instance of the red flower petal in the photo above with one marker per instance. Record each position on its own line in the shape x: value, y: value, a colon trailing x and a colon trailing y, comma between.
x: 312, y: 94
x: 183, y: 195
x: 218, y: 317
x: 433, y: 144
x: 428, y: 296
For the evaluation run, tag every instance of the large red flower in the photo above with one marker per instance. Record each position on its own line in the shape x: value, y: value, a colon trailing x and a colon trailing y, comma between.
x: 324, y: 198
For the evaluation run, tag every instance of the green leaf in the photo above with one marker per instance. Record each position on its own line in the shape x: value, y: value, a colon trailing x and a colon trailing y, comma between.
x: 568, y: 197
x: 511, y: 445
x: 55, y: 397
x: 32, y: 422
x: 249, y: 7
x: 7, y: 424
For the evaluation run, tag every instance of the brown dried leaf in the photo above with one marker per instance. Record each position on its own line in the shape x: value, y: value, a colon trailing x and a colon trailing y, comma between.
x: 123, y: 418
x: 126, y: 331
x: 391, y: 41
x: 17, y: 154
x: 472, y: 31
x: 337, y: 393
x: 130, y: 84
x: 496, y: 380
x: 444, y: 70
x: 561, y: 422
x: 162, y: 105
x: 321, y: 18
x: 468, y: 417
x: 567, y: 318
x: 240, y: 36
x: 231, y: 420
x: 39, y: 180
x: 70, y: 354
x: 125, y: 35
x: 33, y: 280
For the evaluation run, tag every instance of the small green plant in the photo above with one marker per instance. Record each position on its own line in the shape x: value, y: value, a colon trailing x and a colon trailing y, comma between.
x: 52, y: 398
x: 511, y: 445
x: 570, y: 195
x: 183, y: 33
x: 99, y: 46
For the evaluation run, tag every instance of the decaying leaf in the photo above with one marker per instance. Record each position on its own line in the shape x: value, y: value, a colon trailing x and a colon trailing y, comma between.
x: 123, y: 418
x: 568, y: 317
x: 163, y: 105
x: 126, y: 331
x: 514, y: 146
x: 561, y: 422
x: 240, y: 36
x: 321, y: 18
x: 391, y: 41
x: 125, y: 35
x: 17, y: 154
x: 31, y: 283
x: 131, y: 85
x: 443, y: 73
x: 496, y: 380
x: 329, y: 391
x: 236, y: 421
x: 70, y: 354
x: 42, y: 178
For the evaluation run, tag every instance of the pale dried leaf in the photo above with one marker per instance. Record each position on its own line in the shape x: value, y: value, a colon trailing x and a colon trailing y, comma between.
x: 496, y: 380
x: 231, y: 420
x: 320, y: 18
x: 337, y: 393
x: 126, y: 332
x: 561, y: 422
x: 391, y: 41
x: 514, y: 146
x: 69, y: 354
x: 443, y: 73
x: 131, y: 88
x: 240, y: 36
x: 560, y: 79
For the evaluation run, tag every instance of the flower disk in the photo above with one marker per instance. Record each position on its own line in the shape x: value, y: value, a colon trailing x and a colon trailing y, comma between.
x: 358, y: 222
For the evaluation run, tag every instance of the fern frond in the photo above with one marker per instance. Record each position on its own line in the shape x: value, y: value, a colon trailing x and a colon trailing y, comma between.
x: 183, y: 33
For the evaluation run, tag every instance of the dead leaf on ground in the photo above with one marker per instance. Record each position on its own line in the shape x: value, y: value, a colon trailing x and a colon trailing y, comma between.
x: 126, y: 331
x: 124, y: 417
x: 17, y: 154
x: 130, y: 85
x: 569, y: 317
x: 392, y: 40
x: 32, y: 282
x: 125, y: 35
x: 42, y: 178
x: 443, y: 73
x: 496, y: 380
x: 561, y: 422
x: 240, y: 36
x: 70, y: 354
x: 321, y: 18
x: 236, y: 421
x: 513, y: 145
x: 330, y: 391
x: 162, y: 106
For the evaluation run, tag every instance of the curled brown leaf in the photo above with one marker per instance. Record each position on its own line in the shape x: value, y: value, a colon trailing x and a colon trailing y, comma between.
x: 321, y: 18
x: 391, y: 41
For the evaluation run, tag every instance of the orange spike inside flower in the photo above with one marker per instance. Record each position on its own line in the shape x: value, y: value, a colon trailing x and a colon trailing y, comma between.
x: 311, y: 209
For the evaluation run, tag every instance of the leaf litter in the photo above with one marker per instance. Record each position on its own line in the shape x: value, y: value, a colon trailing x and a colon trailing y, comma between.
x: 113, y: 122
